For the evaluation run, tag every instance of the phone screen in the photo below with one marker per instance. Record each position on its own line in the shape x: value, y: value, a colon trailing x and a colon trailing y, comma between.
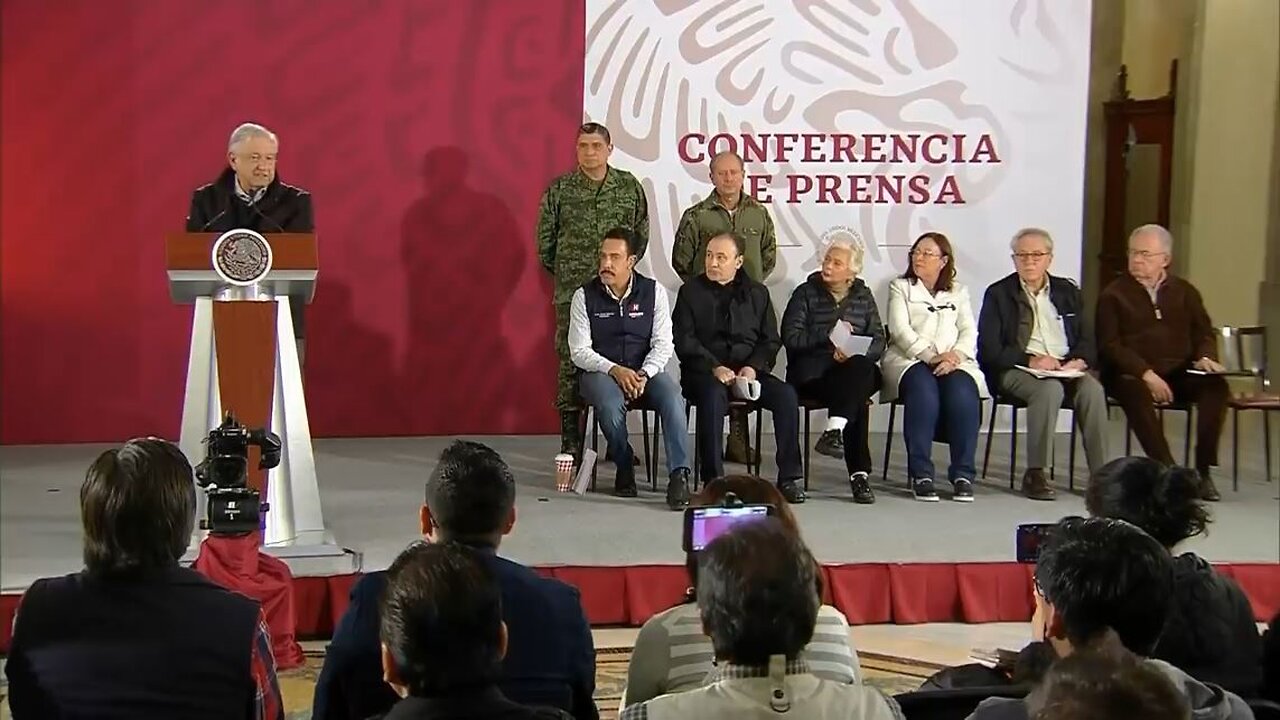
x: 1028, y: 538
x: 704, y: 524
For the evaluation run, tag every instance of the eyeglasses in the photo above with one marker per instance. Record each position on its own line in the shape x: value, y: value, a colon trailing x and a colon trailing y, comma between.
x: 925, y: 253
x: 1145, y: 254
x: 1030, y: 255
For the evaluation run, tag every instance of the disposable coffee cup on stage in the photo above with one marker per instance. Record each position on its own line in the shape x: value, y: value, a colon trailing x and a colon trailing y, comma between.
x: 564, y: 472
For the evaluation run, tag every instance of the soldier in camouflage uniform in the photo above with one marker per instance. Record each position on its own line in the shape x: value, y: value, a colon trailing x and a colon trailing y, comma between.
x: 727, y: 210
x: 576, y: 211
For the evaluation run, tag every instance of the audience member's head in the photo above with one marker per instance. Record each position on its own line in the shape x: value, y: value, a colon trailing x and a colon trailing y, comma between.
x: 441, y: 621
x: 1097, y: 573
x: 471, y: 496
x: 1092, y: 685
x: 757, y: 593
x: 750, y: 490
x: 1163, y: 501
x: 138, y: 507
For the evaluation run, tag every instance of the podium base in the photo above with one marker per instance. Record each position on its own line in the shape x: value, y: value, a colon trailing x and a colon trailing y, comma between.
x: 310, y: 554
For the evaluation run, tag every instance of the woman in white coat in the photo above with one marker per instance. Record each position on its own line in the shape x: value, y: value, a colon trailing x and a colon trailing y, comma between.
x: 931, y: 366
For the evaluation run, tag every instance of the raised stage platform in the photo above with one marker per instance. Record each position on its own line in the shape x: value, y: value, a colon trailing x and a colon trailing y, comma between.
x: 895, y: 561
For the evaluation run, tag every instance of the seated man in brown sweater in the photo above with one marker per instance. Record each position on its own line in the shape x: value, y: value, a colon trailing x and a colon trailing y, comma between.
x: 1153, y: 329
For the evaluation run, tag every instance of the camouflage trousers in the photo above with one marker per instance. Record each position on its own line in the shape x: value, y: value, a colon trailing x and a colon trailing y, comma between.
x: 567, y: 375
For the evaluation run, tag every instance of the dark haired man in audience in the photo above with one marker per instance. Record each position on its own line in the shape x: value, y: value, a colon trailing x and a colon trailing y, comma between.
x: 470, y: 499
x: 620, y: 338
x: 443, y: 638
x: 758, y: 597
x: 135, y: 635
x: 1100, y: 581
x: 726, y: 331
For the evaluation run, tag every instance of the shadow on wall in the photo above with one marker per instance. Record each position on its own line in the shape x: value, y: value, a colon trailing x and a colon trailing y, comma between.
x: 463, y: 254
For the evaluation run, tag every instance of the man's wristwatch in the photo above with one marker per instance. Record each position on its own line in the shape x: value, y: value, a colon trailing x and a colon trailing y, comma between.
x: 643, y: 374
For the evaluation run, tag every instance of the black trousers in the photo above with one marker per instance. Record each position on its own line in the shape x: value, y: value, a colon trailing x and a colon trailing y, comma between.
x: 845, y: 389
x: 711, y: 398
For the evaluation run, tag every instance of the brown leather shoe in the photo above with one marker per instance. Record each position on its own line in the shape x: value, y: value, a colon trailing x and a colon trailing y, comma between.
x: 1208, y: 491
x: 1036, y: 486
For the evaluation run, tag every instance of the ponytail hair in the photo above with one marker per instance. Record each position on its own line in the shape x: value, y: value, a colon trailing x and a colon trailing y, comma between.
x: 1163, y: 501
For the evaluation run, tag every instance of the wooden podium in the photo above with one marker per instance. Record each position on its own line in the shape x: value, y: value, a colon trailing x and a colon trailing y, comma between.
x: 243, y: 360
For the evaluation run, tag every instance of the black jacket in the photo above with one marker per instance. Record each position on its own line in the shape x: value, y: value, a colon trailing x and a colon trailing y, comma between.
x: 1004, y: 327
x: 1210, y: 633
x: 487, y: 703
x: 550, y: 662
x: 216, y: 208
x: 731, y: 325
x: 811, y: 314
x: 164, y: 643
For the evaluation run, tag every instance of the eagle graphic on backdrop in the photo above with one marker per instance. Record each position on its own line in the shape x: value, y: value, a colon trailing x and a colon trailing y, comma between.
x: 658, y: 70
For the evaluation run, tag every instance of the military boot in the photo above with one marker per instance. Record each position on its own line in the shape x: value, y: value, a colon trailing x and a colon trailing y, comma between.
x: 738, y: 447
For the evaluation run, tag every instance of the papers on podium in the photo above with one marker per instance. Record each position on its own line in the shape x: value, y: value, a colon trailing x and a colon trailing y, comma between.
x: 1060, y: 374
x: 848, y: 343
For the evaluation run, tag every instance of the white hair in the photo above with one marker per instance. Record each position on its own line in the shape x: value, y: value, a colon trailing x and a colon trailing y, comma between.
x: 1166, y: 238
x: 249, y: 130
x: 1026, y: 231
x: 852, y: 248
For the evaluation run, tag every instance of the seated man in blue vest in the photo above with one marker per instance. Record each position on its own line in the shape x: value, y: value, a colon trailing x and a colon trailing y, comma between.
x: 620, y: 337
x: 550, y: 659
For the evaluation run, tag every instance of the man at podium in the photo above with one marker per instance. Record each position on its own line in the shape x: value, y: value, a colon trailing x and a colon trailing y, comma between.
x: 248, y: 194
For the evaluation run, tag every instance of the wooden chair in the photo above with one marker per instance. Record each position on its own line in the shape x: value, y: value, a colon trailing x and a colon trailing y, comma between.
x: 1249, y: 357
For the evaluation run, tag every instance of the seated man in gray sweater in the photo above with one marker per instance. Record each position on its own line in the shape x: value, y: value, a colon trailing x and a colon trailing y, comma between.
x: 1096, y: 580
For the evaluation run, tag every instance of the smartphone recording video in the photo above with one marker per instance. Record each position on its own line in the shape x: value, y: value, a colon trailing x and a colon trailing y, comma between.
x: 704, y: 524
x: 1028, y: 538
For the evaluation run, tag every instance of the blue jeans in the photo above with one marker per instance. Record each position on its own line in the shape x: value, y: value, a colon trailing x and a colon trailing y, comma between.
x: 661, y: 393
x: 947, y: 408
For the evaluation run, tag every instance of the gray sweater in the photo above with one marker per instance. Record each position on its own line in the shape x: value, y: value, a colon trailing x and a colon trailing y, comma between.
x: 672, y: 655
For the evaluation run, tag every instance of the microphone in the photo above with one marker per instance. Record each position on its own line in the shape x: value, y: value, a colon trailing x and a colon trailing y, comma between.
x: 215, y: 218
x: 254, y: 206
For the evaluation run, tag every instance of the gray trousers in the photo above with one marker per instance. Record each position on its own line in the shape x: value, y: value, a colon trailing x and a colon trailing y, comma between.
x: 1044, y: 397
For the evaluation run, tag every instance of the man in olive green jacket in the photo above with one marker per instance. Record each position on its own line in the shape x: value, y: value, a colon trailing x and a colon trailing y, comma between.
x: 576, y: 211
x: 727, y: 210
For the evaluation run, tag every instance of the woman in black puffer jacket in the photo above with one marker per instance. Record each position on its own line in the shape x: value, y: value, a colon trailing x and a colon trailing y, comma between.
x: 1210, y: 633
x: 820, y: 371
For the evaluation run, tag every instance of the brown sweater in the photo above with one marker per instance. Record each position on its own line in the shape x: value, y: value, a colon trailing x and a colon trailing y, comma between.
x: 1132, y: 339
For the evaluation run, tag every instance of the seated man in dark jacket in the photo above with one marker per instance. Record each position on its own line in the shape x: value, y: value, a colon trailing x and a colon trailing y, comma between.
x: 725, y: 329
x: 550, y: 659
x: 1156, y: 343
x: 135, y: 635
x: 443, y: 638
x: 249, y: 195
x: 821, y: 371
x: 1033, y: 319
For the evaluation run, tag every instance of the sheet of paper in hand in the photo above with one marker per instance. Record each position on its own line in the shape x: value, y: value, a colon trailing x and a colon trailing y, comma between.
x: 848, y: 343
x: 1060, y: 374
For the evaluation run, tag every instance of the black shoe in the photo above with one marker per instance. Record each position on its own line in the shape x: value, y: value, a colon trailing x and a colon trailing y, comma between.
x: 624, y: 482
x: 792, y: 491
x: 923, y: 489
x: 830, y: 444
x: 608, y: 455
x: 962, y: 490
x: 1208, y: 491
x: 678, y: 489
x: 860, y: 483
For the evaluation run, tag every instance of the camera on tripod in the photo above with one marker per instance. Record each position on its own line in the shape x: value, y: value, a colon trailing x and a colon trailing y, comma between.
x: 234, y: 508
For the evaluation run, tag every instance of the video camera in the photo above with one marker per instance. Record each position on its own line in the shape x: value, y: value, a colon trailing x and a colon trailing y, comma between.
x: 234, y: 508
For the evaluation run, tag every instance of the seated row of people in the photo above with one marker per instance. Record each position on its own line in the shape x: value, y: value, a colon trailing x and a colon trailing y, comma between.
x: 1031, y: 344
